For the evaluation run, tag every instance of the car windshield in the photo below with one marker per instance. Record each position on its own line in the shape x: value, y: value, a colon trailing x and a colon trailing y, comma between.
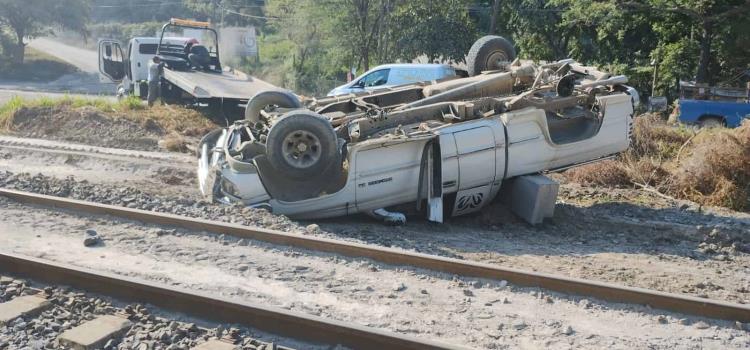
x: 375, y: 78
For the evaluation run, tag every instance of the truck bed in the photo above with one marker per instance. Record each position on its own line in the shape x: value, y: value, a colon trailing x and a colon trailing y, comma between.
x: 226, y: 85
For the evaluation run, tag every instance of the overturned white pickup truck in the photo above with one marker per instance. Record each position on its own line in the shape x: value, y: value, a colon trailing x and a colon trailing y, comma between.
x: 446, y: 146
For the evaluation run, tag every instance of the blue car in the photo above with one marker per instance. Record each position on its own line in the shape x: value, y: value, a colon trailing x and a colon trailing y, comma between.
x: 713, y: 113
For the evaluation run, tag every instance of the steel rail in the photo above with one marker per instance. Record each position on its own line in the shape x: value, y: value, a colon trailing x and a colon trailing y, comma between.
x: 604, y: 291
x: 279, y: 321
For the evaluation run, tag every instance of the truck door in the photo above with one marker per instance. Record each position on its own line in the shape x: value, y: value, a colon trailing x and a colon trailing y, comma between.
x: 476, y: 169
x: 111, y: 60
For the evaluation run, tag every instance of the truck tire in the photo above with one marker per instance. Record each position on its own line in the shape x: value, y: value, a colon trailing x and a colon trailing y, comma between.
x: 488, y: 52
x: 262, y: 100
x: 711, y: 122
x: 302, y: 144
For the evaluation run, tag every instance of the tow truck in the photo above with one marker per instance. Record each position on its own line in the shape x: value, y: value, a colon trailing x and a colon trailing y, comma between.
x: 193, y: 72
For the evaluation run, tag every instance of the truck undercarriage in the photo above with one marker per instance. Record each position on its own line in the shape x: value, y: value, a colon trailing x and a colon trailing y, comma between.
x: 458, y: 139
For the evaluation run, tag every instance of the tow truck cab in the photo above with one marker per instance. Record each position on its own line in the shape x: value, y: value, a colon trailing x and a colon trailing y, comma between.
x: 129, y: 67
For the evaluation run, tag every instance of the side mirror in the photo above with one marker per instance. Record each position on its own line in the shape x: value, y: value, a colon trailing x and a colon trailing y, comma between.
x: 108, y: 50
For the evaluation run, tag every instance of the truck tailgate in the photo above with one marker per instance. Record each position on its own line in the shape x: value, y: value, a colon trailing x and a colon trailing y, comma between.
x: 228, y: 85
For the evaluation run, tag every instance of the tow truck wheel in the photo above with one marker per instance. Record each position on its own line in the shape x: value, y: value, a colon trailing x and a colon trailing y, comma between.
x: 490, y: 52
x: 302, y: 144
x: 266, y: 99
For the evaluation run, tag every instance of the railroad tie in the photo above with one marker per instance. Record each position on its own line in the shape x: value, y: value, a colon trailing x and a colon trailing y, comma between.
x: 28, y: 305
x: 215, y: 345
x: 94, y: 334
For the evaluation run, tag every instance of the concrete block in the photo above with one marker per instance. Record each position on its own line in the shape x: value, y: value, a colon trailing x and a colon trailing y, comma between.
x: 215, y: 345
x: 94, y: 334
x: 532, y: 197
x: 28, y: 305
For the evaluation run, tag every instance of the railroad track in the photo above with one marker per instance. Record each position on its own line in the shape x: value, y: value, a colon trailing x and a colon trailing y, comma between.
x: 60, y: 317
x: 604, y: 291
x: 278, y: 321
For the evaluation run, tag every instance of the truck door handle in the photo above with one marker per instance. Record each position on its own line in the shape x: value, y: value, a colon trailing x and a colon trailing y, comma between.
x: 139, y: 64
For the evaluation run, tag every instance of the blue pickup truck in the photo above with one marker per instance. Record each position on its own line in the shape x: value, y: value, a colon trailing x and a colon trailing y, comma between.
x: 713, y: 106
x: 713, y: 113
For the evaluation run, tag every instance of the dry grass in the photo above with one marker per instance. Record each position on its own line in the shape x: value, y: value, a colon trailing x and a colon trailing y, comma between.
x: 717, y: 169
x: 710, y: 166
x: 654, y: 138
x: 173, y: 119
x: 174, y: 142
x: 604, y: 173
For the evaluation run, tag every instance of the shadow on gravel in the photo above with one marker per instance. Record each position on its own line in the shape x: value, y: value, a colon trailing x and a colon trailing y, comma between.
x: 614, y: 227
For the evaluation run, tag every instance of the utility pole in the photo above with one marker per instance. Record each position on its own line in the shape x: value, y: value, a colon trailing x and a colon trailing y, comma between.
x: 215, y: 8
x: 493, y: 17
x: 655, y: 63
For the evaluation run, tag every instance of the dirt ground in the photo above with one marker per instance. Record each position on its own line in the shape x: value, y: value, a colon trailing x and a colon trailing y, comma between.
x: 476, y: 313
x: 125, y: 124
x: 87, y: 126
x: 625, y: 236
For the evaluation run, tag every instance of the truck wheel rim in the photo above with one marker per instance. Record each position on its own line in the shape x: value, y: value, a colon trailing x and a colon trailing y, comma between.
x: 302, y: 149
x: 495, y: 60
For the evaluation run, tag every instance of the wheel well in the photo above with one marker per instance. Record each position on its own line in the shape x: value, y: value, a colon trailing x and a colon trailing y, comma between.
x: 711, y: 116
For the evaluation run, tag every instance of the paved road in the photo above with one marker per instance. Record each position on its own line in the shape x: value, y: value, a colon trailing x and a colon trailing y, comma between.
x: 84, y: 82
x: 86, y: 60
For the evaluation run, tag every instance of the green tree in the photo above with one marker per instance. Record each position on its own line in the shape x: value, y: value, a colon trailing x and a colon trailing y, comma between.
x: 229, y: 12
x: 31, y: 18
x: 711, y: 17
x: 682, y: 39
x: 137, y: 11
x: 436, y: 29
x: 536, y: 27
x: 358, y: 24
x: 299, y: 22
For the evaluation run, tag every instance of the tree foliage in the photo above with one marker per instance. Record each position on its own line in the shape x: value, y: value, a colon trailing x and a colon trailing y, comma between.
x: 298, y: 23
x: 311, y: 44
x: 698, y: 40
x: 229, y: 12
x: 331, y: 37
x: 704, y: 21
x: 440, y: 29
x: 31, y: 18
x: 137, y: 11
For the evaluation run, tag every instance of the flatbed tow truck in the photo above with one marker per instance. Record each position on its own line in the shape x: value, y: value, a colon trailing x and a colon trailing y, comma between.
x: 193, y: 73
